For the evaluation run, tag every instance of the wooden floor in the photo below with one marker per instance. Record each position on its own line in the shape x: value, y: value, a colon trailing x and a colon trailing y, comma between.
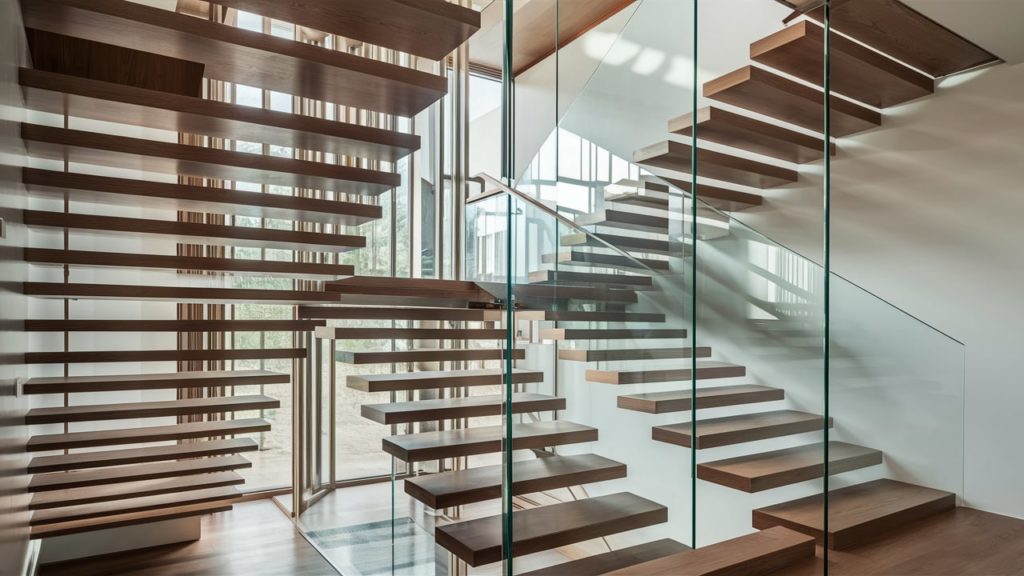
x: 253, y: 538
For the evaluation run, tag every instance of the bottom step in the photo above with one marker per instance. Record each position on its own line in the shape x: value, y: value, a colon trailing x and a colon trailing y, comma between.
x: 614, y: 560
x: 479, y: 541
x: 751, y: 555
x: 859, y: 512
x: 128, y: 519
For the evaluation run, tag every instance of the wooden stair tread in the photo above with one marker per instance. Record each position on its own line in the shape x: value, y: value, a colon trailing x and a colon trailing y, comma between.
x: 613, y: 218
x: 94, y: 459
x: 195, y: 232
x: 610, y: 333
x: 485, y: 439
x: 427, y: 355
x: 401, y: 313
x: 672, y: 155
x: 465, y: 407
x: 93, y: 494
x: 857, y: 513
x: 760, y: 91
x: 65, y: 480
x: 527, y: 292
x: 128, y: 505
x: 615, y: 354
x: 580, y: 257
x: 207, y: 295
x: 588, y: 316
x: 657, y: 196
x: 125, y: 191
x: 235, y: 266
x: 613, y: 560
x: 167, y: 157
x: 624, y: 243
x: 101, y: 325
x: 717, y: 432
x: 347, y: 333
x: 118, y: 356
x: 128, y: 519
x: 407, y: 291
x: 180, y: 407
x: 213, y: 378
x: 894, y: 28
x: 562, y: 277
x: 115, y: 102
x: 146, y: 434
x: 717, y: 197
x: 730, y: 129
x: 479, y: 541
x: 705, y: 370
x: 440, y: 379
x: 241, y: 56
x: 756, y: 554
x: 681, y: 400
x: 856, y: 71
x: 428, y: 28
x: 482, y: 483
x: 766, y: 470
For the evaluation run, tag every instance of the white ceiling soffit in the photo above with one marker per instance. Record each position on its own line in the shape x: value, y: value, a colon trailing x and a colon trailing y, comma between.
x: 995, y: 25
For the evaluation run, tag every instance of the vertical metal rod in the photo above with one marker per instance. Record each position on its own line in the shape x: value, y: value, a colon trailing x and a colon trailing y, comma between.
x: 827, y: 264
x: 507, y: 168
x: 693, y: 289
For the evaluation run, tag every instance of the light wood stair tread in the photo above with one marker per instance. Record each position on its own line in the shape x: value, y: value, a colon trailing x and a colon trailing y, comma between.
x: 241, y: 56
x: 102, y: 325
x: 401, y: 313
x: 613, y: 218
x: 128, y: 505
x: 64, y: 480
x: 613, y: 560
x: 756, y: 554
x: 146, y: 434
x: 175, y: 355
x: 676, y: 156
x: 715, y: 397
x: 583, y: 258
x: 464, y: 407
x: 746, y: 133
x: 163, y: 195
x: 440, y: 379
x: 721, y: 198
x: 207, y: 295
x: 588, y: 316
x: 715, y: 432
x: 485, y: 439
x: 562, y: 277
x: 610, y: 333
x: 213, y: 378
x: 525, y: 293
x: 767, y: 470
x: 760, y: 91
x: 347, y: 333
x: 101, y: 458
x: 128, y: 519
x: 459, y: 487
x: 180, y: 407
x: 427, y: 355
x: 857, y: 513
x: 705, y: 370
x: 93, y: 494
x: 625, y: 243
x: 617, y: 354
x: 479, y: 541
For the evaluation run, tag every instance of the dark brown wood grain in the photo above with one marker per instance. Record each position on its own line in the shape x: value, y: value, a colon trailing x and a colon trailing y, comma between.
x: 427, y: 355
x: 101, y: 458
x: 615, y: 354
x: 130, y: 505
x: 439, y: 379
x: 624, y: 243
x: 346, y: 333
x: 57, y: 481
x: 563, y: 277
x: 129, y: 519
x: 705, y: 370
x: 93, y: 494
x: 464, y: 407
x: 213, y: 378
x: 174, y: 293
x: 99, y: 325
x: 131, y: 410
x: 763, y: 471
x: 100, y: 356
x: 71, y: 440
x: 681, y: 400
x: 400, y: 313
x: 485, y: 439
x: 717, y: 432
x: 581, y: 258
x: 613, y: 560
x: 730, y: 129
x: 588, y: 315
x: 610, y: 333
x: 672, y: 155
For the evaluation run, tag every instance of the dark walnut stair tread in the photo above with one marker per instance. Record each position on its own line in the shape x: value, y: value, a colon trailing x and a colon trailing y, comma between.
x: 485, y: 439
x: 106, y: 493
x: 135, y: 472
x: 171, y: 158
x: 115, y: 102
x: 401, y: 313
x: 181, y: 407
x: 233, y: 266
x: 67, y: 384
x: 195, y: 232
x: 612, y: 218
x: 760, y: 91
x: 427, y: 355
x: 614, y: 560
x: 425, y: 288
x: 676, y: 156
x: 175, y: 293
x: 465, y: 407
x: 588, y: 316
x: 527, y: 292
x: 616, y: 261
x: 616, y: 354
x: 633, y: 281
x: 705, y: 370
x: 857, y: 513
x: 145, y: 434
x: 738, y: 131
x: 610, y: 333
x: 756, y: 554
x: 624, y: 243
x: 128, y: 519
x: 241, y: 56
x: 479, y: 542
x: 125, y: 191
x: 346, y: 333
x: 99, y: 459
x: 716, y: 397
x: 738, y: 429
x: 100, y: 325
x: 427, y: 28
x: 528, y: 476
x: 125, y: 506
x: 857, y: 71
x: 767, y: 470
x: 893, y: 28
x: 440, y: 379
x: 118, y: 356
